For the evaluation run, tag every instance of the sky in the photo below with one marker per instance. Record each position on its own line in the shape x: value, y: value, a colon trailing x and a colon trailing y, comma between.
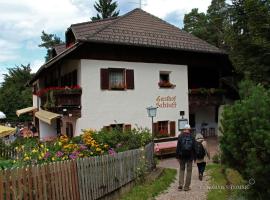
x: 22, y: 22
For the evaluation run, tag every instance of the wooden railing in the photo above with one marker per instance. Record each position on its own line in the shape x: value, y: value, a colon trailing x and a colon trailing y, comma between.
x: 87, y: 178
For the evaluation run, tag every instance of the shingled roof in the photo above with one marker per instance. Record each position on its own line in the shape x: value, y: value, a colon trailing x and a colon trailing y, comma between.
x: 139, y: 28
x: 59, y: 48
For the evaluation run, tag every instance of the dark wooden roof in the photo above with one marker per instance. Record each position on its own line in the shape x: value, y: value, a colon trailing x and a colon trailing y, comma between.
x: 139, y: 28
x: 59, y: 48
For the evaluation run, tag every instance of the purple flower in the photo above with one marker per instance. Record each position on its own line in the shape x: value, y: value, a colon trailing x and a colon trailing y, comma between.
x: 72, y: 156
x: 47, y: 155
x: 111, y: 152
x: 59, y: 154
x: 83, y: 147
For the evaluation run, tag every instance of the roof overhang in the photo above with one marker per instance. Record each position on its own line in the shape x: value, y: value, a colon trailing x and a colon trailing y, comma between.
x: 46, y: 116
x: 54, y: 60
x: 25, y: 110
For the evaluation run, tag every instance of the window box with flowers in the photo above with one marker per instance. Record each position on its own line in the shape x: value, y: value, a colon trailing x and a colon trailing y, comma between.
x: 166, y: 84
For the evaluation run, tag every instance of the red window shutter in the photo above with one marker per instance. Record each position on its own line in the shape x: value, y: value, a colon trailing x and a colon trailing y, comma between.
x: 130, y: 78
x: 127, y: 127
x: 172, y: 128
x: 104, y: 79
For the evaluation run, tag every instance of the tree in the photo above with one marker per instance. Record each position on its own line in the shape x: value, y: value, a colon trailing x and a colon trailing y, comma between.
x: 196, y: 24
x: 105, y: 9
x: 249, y: 39
x: 48, y: 42
x: 217, y: 22
x: 242, y: 29
x: 210, y: 26
x: 245, y: 143
x: 14, y: 94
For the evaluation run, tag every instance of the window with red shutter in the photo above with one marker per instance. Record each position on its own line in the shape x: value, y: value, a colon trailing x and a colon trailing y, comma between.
x: 130, y: 79
x: 104, y: 79
x: 172, y: 128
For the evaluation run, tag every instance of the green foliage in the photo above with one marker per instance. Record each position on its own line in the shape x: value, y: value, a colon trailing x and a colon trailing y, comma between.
x: 209, y: 26
x: 14, y: 94
x: 5, y: 164
x: 105, y: 9
x: 122, y: 141
x: 48, y: 42
x: 216, y: 158
x: 245, y: 143
x: 242, y: 29
x: 196, y: 24
x: 150, y: 190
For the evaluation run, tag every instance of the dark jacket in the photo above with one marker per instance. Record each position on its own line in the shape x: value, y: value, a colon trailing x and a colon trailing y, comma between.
x: 178, y: 148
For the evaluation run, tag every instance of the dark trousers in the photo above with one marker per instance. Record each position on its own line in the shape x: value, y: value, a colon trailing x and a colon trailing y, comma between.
x: 201, y: 167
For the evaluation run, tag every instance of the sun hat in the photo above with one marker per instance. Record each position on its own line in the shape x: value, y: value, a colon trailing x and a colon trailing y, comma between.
x: 187, y: 126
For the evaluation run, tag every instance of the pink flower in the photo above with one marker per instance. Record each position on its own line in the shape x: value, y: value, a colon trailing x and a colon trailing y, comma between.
x: 59, y: 154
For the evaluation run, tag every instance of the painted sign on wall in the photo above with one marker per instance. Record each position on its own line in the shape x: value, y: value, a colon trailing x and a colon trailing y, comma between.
x: 166, y: 101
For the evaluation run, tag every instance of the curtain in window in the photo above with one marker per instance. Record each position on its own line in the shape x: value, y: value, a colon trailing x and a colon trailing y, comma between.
x: 116, y: 79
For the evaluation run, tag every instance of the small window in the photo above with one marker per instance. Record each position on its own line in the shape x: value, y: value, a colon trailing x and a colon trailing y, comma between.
x: 164, y: 80
x: 116, y: 79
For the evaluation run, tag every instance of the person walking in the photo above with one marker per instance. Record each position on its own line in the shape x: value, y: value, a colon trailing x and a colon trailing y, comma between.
x: 202, y: 154
x: 185, y: 153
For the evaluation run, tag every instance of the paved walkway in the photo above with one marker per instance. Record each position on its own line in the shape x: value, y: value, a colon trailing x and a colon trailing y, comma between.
x: 198, y: 188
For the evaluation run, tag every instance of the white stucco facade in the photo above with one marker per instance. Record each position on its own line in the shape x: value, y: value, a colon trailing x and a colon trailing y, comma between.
x: 104, y: 107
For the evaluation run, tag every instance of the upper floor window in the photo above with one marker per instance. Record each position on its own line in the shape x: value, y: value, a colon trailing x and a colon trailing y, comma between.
x: 116, y: 79
x: 164, y: 80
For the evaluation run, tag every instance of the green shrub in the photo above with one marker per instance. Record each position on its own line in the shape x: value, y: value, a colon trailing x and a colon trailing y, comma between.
x: 245, y: 143
x: 216, y: 158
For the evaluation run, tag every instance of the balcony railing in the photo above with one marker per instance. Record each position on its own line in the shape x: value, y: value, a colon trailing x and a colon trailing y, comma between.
x: 62, y: 100
x: 205, y: 96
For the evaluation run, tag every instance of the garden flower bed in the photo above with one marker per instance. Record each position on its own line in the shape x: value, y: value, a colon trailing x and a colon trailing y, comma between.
x: 91, y: 143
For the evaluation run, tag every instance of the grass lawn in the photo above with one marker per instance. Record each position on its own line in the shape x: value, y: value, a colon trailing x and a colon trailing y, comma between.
x: 150, y: 190
x: 221, y: 179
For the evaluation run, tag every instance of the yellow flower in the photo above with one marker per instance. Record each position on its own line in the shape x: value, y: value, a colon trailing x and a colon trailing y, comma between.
x: 98, y: 149
x: 14, y: 161
x: 40, y: 158
x: 42, y: 146
x: 60, y: 143
x: 26, y: 158
x: 42, y: 154
x: 53, y: 158
x: 34, y: 151
x: 106, y: 146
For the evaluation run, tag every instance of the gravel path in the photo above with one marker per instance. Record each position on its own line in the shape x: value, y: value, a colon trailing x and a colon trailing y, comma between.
x: 198, y: 188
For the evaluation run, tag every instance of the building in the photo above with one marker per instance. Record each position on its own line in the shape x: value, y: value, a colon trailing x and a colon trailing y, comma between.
x: 109, y: 71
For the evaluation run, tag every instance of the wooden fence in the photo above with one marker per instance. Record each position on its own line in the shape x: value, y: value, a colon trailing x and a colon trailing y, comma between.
x: 87, y: 178
x: 7, y: 152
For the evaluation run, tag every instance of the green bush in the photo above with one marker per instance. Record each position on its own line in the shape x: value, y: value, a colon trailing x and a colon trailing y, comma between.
x: 245, y: 143
x: 216, y: 158
x: 122, y: 141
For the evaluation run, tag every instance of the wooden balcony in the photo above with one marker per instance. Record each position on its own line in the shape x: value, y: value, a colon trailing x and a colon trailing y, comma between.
x: 206, y: 97
x: 65, y: 102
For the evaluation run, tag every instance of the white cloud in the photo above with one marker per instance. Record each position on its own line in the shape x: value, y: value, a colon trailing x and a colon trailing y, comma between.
x: 35, y: 65
x: 162, y: 8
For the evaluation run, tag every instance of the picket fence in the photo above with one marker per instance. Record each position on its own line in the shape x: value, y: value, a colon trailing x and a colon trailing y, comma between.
x: 86, y: 178
x: 7, y: 152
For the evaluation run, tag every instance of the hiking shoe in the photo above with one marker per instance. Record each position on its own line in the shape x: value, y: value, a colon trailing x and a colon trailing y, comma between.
x: 180, y: 187
x: 200, y: 177
x: 187, y: 189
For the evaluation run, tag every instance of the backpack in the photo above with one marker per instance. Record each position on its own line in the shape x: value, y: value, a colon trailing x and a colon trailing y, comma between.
x: 186, y: 143
x: 200, y: 151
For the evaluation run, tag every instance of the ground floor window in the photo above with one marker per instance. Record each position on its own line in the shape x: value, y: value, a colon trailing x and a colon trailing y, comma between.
x: 164, y: 129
